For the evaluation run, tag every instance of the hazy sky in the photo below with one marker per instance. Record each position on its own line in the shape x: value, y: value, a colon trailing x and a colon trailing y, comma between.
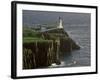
x: 43, y: 17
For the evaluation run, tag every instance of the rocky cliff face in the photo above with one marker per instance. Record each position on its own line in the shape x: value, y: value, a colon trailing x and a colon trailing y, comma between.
x: 66, y: 43
x: 39, y: 54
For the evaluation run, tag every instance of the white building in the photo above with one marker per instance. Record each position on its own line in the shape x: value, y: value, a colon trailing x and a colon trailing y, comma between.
x: 60, y: 25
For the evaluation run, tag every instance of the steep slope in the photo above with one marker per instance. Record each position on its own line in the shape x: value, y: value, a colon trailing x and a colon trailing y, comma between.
x: 66, y: 43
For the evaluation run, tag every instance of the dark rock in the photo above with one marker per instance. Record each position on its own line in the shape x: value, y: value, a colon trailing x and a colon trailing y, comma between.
x: 39, y: 54
x: 66, y: 43
x: 42, y: 54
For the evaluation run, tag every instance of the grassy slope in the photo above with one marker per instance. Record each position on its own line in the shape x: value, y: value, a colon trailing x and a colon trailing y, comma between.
x: 30, y: 35
x: 32, y: 39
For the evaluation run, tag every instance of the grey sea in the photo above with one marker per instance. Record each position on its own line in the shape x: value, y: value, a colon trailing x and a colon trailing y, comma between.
x: 81, y: 35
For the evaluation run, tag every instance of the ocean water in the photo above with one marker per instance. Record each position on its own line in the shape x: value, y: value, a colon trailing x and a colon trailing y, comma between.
x: 77, y: 58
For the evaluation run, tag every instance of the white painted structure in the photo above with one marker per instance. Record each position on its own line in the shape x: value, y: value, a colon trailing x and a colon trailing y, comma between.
x: 60, y: 23
x: 60, y: 26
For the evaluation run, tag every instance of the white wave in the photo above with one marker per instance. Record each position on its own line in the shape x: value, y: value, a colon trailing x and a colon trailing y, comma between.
x: 55, y: 65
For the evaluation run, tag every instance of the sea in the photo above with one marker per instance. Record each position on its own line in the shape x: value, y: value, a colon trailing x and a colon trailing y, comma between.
x: 78, y: 58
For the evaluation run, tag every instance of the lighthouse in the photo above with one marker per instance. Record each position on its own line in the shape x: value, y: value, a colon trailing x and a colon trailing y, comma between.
x: 60, y: 23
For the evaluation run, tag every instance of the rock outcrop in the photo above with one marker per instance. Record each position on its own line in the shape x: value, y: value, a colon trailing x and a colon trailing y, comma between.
x: 39, y: 54
x: 43, y: 53
x: 66, y: 43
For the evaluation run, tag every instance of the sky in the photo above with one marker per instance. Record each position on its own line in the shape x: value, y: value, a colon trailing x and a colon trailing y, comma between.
x: 31, y: 17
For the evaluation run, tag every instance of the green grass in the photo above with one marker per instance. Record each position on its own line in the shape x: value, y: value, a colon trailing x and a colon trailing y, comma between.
x: 32, y: 39
x: 28, y: 32
x: 31, y: 35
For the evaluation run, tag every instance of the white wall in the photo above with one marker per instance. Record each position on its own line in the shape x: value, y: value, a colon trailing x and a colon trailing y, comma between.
x: 5, y: 37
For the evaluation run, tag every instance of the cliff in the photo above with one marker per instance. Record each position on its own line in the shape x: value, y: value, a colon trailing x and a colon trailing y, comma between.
x: 39, y: 54
x: 66, y: 43
x: 45, y: 50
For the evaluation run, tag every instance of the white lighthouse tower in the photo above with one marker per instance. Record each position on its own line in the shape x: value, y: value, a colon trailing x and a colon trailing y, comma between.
x: 60, y: 23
